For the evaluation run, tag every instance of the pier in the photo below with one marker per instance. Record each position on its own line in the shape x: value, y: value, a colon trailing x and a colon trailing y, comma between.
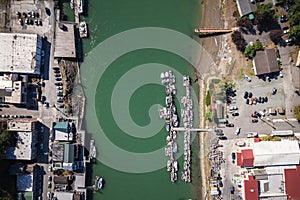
x: 169, y: 114
x: 205, y: 31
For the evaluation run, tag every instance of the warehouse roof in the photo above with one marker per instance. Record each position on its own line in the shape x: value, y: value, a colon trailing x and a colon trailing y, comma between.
x: 265, y: 62
x: 20, y: 53
x: 268, y: 153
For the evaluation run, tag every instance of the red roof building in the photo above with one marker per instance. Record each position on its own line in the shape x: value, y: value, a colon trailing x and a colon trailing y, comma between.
x: 292, y: 183
x: 245, y: 158
x: 251, y: 188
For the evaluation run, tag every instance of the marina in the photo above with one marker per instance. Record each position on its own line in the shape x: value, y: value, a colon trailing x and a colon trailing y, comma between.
x: 169, y: 114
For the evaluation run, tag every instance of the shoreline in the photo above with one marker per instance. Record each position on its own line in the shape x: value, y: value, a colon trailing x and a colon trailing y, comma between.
x: 210, y: 9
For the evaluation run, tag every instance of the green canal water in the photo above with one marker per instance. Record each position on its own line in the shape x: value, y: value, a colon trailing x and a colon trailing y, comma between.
x: 106, y: 18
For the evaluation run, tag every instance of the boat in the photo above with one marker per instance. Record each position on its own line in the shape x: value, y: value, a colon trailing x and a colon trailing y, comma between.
x: 99, y: 181
x: 168, y: 127
x: 175, y: 147
x: 169, y: 165
x: 162, y: 75
x: 175, y: 164
x: 80, y: 6
x: 93, y: 152
x: 72, y: 4
x: 83, y: 31
x: 168, y: 101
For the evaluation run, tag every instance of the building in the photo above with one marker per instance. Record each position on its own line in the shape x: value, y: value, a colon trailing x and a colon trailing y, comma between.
x: 12, y: 90
x: 265, y: 62
x: 285, y: 152
x: 20, y: 53
x: 27, y: 140
x: 245, y: 158
x: 64, y: 195
x: 246, y: 7
x: 250, y: 188
x: 62, y: 132
x: 31, y: 182
x: 292, y: 182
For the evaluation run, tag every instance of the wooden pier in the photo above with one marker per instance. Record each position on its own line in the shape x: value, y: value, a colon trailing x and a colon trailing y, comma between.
x: 204, y: 31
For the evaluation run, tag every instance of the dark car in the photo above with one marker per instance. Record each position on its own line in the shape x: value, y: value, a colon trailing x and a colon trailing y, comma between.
x: 274, y: 90
x: 57, y: 75
x: 266, y: 99
x: 246, y: 95
x: 230, y: 125
x: 262, y: 100
x: 57, y: 79
x: 283, y: 18
x: 220, y: 183
x: 233, y: 156
x: 247, y: 101
x: 254, y: 120
x: 58, y: 84
x: 286, y: 6
x: 43, y: 98
x: 232, y: 189
x: 250, y: 95
x: 235, y: 114
x: 257, y: 114
x: 223, y: 138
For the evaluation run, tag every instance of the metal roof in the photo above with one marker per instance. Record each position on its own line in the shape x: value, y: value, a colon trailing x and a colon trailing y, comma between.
x: 265, y: 62
x: 268, y: 153
x: 245, y: 7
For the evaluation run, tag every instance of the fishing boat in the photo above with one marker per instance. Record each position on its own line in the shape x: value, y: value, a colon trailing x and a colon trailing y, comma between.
x: 162, y: 75
x: 99, y: 181
x: 168, y: 127
x: 80, y: 6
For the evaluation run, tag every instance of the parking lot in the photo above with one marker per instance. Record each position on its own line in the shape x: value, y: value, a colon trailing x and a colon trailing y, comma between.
x: 265, y: 124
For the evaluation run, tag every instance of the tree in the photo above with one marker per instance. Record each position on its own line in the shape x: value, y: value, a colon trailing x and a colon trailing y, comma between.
x: 250, y: 51
x: 239, y: 40
x: 297, y: 112
x: 275, y: 35
x: 208, y: 98
x: 7, y: 139
x: 265, y: 9
x: 258, y: 46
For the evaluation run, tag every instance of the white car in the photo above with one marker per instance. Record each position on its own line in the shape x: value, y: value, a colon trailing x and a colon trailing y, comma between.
x: 50, y: 168
x: 237, y: 131
x: 233, y: 108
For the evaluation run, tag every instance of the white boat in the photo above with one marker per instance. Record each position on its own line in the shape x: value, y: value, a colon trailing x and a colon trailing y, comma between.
x: 100, y: 183
x: 80, y: 6
x: 168, y: 102
x: 72, y: 4
x: 83, y: 31
x: 169, y: 165
x: 175, y: 147
x: 167, y: 74
x: 93, y: 152
x: 175, y: 164
x: 162, y: 75
x: 168, y: 127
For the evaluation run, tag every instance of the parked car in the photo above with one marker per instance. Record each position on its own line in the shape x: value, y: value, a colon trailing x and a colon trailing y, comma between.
x: 57, y: 75
x: 237, y: 131
x: 59, y: 88
x: 247, y: 101
x: 235, y: 114
x: 58, y: 84
x: 274, y: 90
x: 285, y: 30
x: 254, y: 115
x: 246, y: 94
x: 247, y: 78
x: 233, y: 157
x: 232, y: 189
x: 233, y: 108
x: 266, y: 99
x: 49, y: 178
x: 230, y: 125
x: 289, y: 41
x: 283, y: 18
x: 252, y: 134
x: 59, y: 100
x: 57, y: 79
x: 250, y: 95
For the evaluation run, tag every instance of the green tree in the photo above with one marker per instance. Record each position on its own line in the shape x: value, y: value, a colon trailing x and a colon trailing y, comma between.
x: 297, y: 112
x: 250, y: 51
x: 208, y: 98
x: 258, y: 46
x: 265, y: 9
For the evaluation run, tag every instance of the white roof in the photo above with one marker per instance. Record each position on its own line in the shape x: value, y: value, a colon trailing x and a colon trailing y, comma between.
x: 25, y: 148
x: 19, y: 125
x: 62, y: 136
x: 64, y: 195
x: 268, y: 153
x: 20, y: 53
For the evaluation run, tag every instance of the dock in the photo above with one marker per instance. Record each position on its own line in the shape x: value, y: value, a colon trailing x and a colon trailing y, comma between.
x: 169, y: 114
x: 214, y: 30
